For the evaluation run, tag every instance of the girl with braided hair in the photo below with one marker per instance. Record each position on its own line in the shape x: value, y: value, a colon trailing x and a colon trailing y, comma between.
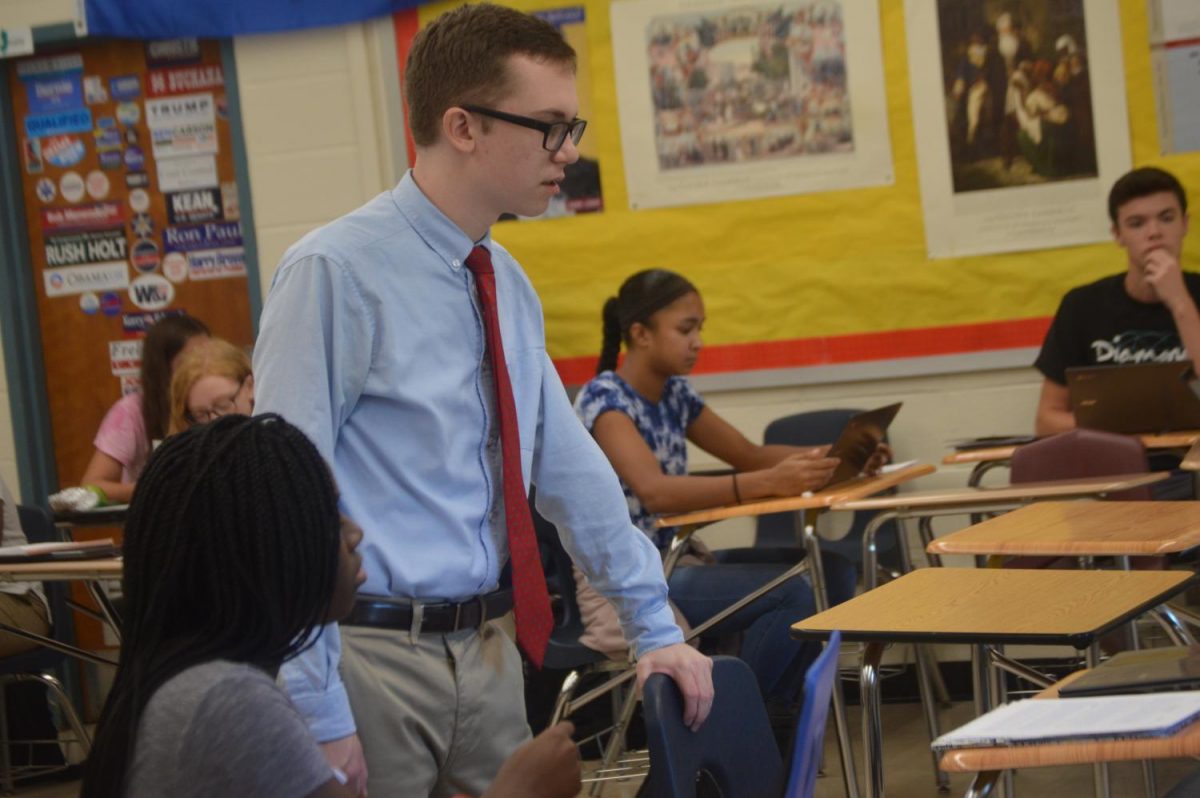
x: 642, y: 413
x: 235, y: 555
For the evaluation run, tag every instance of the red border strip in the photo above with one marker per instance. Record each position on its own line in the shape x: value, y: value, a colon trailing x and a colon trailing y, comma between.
x: 854, y: 348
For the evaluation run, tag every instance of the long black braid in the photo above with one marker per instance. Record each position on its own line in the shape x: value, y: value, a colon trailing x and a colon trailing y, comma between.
x: 231, y: 552
x: 640, y: 297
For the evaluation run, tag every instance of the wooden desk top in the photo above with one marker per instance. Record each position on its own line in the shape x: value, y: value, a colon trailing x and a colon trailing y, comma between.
x: 849, y: 490
x: 61, y: 571
x: 1078, y: 752
x: 1164, y: 440
x: 996, y: 605
x: 1027, y: 491
x: 1081, y: 528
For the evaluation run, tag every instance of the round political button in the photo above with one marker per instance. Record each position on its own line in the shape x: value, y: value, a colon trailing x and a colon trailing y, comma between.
x: 71, y: 186
x: 89, y: 303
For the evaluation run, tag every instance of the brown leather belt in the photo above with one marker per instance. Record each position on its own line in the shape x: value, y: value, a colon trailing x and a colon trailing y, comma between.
x: 440, y: 617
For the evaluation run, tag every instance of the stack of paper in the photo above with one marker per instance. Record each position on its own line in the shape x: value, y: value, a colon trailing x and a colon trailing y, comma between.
x: 1102, y: 717
x: 83, y: 550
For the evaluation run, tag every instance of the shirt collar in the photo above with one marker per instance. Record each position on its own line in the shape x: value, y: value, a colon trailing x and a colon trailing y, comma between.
x: 435, y: 228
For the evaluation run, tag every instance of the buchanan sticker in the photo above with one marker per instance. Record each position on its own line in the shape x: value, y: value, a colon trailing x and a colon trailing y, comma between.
x: 125, y: 357
x: 62, y: 151
x: 198, y: 205
x: 214, y: 235
x: 99, y: 216
x: 71, y: 186
x: 190, y: 171
x: 184, y: 80
x: 151, y: 292
x: 145, y: 256
x: 92, y: 247
x: 77, y: 279
x: 217, y: 264
x: 97, y: 184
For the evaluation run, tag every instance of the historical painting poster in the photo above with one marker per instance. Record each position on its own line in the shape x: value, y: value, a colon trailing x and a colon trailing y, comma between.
x: 724, y: 100
x: 1019, y: 110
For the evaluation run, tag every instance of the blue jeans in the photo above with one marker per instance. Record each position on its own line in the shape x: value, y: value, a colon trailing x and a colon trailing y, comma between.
x: 779, y: 662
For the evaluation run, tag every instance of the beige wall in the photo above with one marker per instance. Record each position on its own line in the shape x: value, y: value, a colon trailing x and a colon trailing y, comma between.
x: 31, y: 13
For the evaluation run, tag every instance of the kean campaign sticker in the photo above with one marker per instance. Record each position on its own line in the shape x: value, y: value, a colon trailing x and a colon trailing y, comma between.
x: 71, y: 186
x: 151, y: 292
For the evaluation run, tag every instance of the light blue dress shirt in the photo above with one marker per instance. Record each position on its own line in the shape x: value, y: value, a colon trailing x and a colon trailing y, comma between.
x: 372, y: 343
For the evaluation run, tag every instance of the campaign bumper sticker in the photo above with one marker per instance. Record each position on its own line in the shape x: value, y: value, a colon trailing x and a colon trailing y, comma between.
x: 134, y: 323
x: 92, y: 277
x: 94, y: 92
x: 54, y: 92
x: 183, y: 125
x: 125, y: 357
x: 77, y: 120
x: 184, y: 80
x: 151, y: 292
x: 125, y: 87
x: 166, y: 52
x: 214, y: 235
x: 197, y: 205
x: 187, y: 172
x: 74, y: 249
x: 62, y: 151
x: 217, y: 264
x: 98, y: 216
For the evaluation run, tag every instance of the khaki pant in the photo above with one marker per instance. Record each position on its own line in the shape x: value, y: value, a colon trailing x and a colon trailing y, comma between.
x: 24, y: 612
x: 437, y: 715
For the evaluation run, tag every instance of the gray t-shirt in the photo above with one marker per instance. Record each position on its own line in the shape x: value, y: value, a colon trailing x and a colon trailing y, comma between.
x: 224, y: 728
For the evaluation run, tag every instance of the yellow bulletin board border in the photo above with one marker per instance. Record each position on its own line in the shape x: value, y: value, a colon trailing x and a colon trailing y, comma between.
x: 819, y: 279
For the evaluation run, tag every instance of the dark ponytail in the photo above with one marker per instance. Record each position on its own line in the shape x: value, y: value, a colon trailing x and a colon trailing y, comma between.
x: 640, y: 297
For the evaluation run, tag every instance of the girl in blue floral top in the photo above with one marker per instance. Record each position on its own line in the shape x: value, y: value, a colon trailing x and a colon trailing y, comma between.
x: 642, y: 413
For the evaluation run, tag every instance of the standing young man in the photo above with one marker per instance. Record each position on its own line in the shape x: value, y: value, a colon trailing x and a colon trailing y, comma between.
x: 376, y: 340
x: 1147, y: 314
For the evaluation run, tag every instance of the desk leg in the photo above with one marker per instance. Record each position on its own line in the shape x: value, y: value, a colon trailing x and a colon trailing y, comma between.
x: 806, y: 529
x: 1099, y: 771
x: 872, y: 723
x: 106, y: 607
x: 1149, y: 778
x: 870, y: 555
x: 981, y: 671
x: 982, y: 784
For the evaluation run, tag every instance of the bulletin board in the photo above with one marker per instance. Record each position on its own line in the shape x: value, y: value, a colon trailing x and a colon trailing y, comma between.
x: 131, y: 211
x: 816, y: 279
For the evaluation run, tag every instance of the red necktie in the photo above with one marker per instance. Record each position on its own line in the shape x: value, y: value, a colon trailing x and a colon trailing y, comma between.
x: 531, y: 601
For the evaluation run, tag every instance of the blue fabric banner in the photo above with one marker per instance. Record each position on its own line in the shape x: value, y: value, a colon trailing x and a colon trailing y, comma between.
x: 165, y: 19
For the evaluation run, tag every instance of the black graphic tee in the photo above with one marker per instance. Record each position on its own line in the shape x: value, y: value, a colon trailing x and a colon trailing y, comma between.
x: 1099, y: 324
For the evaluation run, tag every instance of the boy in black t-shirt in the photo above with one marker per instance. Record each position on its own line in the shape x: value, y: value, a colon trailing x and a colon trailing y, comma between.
x: 1147, y: 314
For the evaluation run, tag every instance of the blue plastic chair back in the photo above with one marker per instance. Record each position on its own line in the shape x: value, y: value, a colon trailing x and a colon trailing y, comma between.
x: 734, y: 747
x: 810, y: 730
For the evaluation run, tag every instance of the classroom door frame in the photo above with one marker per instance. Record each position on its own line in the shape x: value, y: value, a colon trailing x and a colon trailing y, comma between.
x: 24, y: 367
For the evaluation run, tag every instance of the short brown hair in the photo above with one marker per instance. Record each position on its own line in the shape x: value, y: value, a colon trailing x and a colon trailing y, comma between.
x: 459, y: 59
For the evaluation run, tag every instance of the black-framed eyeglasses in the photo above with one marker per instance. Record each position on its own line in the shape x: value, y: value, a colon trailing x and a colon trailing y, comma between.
x: 221, y: 407
x: 554, y: 134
